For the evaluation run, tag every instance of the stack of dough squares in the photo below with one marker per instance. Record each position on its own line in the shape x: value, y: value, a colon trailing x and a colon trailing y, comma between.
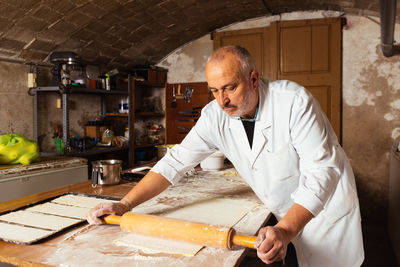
x: 42, y: 220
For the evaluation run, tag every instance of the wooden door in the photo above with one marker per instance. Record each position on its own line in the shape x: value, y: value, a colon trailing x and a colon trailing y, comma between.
x: 307, y: 52
x: 310, y: 54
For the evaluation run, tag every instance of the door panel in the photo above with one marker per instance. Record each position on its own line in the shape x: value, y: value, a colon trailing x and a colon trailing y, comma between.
x: 320, y: 48
x: 295, y: 56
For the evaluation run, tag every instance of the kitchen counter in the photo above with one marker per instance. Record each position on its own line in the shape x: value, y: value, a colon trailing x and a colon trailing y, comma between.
x: 45, y: 163
x: 89, y: 245
x: 50, y: 172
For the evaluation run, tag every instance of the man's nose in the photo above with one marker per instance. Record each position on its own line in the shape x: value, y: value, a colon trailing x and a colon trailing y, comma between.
x: 222, y: 97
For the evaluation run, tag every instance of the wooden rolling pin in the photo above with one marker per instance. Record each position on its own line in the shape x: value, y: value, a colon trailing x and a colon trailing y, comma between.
x: 198, y: 233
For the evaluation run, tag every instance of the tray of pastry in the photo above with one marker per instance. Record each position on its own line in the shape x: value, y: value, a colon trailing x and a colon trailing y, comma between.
x: 41, y: 220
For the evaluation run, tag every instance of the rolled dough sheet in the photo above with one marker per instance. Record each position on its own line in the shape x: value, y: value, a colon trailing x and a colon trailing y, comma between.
x: 61, y: 210
x: 80, y: 201
x: 152, y: 245
x: 23, y: 234
x: 216, y: 211
x: 40, y: 220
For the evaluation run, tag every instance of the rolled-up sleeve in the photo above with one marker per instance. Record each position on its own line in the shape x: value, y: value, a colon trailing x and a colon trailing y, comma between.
x: 319, y: 154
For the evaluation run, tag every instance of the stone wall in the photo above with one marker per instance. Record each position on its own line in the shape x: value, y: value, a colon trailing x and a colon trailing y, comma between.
x: 16, y: 105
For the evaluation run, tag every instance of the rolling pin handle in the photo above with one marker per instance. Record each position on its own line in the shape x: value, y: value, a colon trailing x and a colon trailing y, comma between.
x: 112, y: 219
x: 244, y: 241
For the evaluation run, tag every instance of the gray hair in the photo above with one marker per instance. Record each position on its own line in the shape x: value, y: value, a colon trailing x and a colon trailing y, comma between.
x: 246, y: 61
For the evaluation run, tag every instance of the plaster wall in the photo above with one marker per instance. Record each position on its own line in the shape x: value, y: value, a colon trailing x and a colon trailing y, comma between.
x: 370, y: 103
x: 15, y: 104
x: 371, y: 110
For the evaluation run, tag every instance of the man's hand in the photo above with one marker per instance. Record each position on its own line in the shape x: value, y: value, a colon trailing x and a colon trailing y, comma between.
x: 93, y: 216
x: 272, y: 244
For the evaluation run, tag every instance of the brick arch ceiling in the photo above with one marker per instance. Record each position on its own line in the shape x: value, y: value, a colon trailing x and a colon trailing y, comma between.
x: 122, y: 33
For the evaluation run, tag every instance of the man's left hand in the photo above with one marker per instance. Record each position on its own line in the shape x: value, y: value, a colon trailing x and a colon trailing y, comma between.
x: 271, y: 244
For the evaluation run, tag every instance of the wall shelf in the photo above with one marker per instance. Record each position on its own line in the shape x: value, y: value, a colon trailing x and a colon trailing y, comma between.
x: 81, y: 90
x: 135, y: 90
x: 147, y: 145
x: 150, y: 114
x: 117, y: 114
x: 96, y: 150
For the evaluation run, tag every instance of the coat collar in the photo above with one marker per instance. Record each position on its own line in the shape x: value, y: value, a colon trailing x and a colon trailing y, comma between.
x: 261, y: 128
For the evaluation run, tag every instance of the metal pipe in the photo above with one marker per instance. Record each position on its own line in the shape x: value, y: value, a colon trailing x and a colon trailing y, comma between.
x: 388, y: 17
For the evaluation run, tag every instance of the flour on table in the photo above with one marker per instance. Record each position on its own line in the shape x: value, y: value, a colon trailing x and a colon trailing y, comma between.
x: 215, y: 211
x: 40, y: 220
x: 61, y: 210
x: 80, y: 201
x: 19, y: 233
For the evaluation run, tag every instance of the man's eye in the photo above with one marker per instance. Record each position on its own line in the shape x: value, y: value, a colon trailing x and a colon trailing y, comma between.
x: 230, y: 88
x: 214, y: 90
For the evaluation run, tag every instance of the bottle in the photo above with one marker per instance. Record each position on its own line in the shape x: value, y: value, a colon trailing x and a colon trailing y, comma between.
x: 126, y: 106
x: 108, y: 84
x: 126, y: 133
x: 121, y: 107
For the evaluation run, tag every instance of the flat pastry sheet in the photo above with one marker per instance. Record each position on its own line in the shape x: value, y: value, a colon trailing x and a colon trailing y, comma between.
x: 60, y: 210
x: 38, y: 220
x: 80, y: 201
x: 215, y: 211
x: 20, y: 233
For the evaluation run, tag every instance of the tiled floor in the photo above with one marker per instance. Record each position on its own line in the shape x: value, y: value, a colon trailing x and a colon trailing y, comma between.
x: 378, y: 250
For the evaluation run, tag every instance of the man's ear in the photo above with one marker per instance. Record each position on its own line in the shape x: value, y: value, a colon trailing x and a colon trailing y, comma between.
x: 255, y: 76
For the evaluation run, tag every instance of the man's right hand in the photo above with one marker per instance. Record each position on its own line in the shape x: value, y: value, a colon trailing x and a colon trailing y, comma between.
x: 93, y: 216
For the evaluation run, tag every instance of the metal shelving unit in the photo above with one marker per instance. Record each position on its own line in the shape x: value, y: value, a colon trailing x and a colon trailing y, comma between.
x: 65, y: 116
x: 132, y: 86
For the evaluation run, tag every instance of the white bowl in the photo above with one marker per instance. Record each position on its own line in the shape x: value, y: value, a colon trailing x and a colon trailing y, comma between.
x: 214, y: 162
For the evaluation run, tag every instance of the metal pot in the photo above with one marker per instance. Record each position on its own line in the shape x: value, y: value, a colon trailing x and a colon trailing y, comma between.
x: 106, y: 172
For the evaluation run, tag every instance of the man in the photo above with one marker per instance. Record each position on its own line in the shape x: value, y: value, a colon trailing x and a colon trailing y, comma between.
x: 282, y: 144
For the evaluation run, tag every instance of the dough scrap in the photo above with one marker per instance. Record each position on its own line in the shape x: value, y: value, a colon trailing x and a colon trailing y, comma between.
x: 80, y: 201
x: 40, y: 220
x: 60, y: 210
x: 153, y: 245
x: 19, y: 233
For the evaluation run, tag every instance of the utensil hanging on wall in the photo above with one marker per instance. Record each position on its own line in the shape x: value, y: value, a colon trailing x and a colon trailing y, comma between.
x: 188, y: 93
x: 173, y: 103
x: 179, y: 94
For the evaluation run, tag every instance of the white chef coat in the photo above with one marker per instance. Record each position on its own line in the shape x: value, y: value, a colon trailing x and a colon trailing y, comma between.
x: 295, y: 158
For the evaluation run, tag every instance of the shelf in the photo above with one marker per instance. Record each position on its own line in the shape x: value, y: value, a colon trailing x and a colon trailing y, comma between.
x: 147, y: 145
x: 117, y: 114
x: 96, y: 150
x: 82, y: 90
x: 146, y: 83
x: 149, y: 114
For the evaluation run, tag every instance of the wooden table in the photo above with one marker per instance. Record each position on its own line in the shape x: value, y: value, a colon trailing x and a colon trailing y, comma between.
x: 89, y: 245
